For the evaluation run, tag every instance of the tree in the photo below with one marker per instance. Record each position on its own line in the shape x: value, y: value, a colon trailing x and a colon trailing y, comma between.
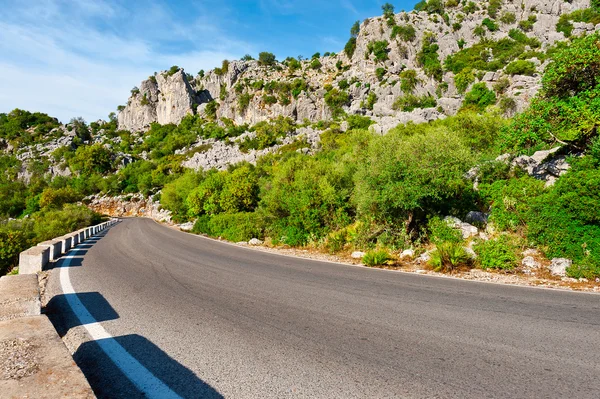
x: 355, y: 30
x: 247, y: 57
x: 388, y: 9
x: 266, y: 59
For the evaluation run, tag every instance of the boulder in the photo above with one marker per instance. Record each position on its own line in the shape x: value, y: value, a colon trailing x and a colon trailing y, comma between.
x: 357, y: 255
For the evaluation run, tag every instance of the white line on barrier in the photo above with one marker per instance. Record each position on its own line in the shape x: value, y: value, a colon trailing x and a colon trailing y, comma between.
x: 140, y: 376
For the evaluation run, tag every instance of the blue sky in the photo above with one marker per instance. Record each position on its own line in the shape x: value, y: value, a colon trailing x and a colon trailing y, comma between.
x: 81, y: 57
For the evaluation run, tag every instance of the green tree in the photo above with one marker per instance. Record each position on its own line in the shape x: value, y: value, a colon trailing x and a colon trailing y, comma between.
x: 266, y: 59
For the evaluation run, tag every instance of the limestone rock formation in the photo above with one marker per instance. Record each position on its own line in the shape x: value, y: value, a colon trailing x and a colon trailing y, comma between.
x: 247, y: 92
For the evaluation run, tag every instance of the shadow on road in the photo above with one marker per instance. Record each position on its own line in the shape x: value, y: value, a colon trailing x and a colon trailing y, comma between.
x: 109, y: 381
x: 103, y: 361
x: 62, y: 316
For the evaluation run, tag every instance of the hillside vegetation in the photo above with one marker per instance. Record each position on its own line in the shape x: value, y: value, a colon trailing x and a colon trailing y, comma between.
x: 338, y: 185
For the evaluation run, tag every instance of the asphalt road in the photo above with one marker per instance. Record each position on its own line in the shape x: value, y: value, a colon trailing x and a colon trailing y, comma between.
x: 209, y: 319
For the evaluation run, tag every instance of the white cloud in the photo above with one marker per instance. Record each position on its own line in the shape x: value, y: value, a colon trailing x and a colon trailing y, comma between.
x: 56, y: 60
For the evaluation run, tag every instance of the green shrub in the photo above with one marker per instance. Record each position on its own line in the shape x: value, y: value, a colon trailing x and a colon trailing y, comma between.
x: 13, y: 241
x: 406, y: 32
x: 336, y: 241
x: 350, y: 47
x: 510, y: 201
x: 480, y: 96
x: 377, y: 258
x: 564, y: 219
x: 57, y: 222
x: 315, y: 64
x: 496, y: 254
x: 586, y: 268
x: 508, y: 18
x: 379, y: 49
x: 428, y: 57
x: 493, y: 8
x: 370, y: 101
x: 266, y: 58
x: 408, y: 80
x: 449, y: 256
x: 412, y: 177
x: 527, y: 24
x: 267, y: 134
x: 234, y: 227
x: 409, y: 102
x: 521, y: 67
x: 358, y: 122
x: 335, y: 100
x: 463, y: 79
x: 438, y: 232
x: 244, y: 101
x: 491, y: 25
x: 269, y: 100
x: 379, y: 73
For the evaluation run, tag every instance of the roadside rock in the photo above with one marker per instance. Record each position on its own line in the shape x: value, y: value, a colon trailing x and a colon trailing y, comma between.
x: 467, y: 230
x: 357, y: 255
x: 407, y: 253
x: 559, y: 266
x: 255, y: 241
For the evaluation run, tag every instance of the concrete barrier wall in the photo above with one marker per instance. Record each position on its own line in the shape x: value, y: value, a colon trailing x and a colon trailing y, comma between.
x: 35, y: 259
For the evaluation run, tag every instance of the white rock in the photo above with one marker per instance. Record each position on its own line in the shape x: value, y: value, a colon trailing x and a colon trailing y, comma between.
x: 559, y: 266
x: 407, y: 253
x: 530, y: 263
x: 357, y: 255
x: 255, y: 241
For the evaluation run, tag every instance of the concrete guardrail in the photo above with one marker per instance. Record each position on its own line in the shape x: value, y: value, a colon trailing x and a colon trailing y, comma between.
x: 35, y: 259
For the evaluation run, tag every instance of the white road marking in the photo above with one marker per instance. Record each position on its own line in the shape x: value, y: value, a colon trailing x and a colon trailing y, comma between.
x: 139, y: 375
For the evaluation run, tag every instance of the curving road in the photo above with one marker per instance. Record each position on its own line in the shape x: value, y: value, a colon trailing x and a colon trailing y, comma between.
x: 202, y: 318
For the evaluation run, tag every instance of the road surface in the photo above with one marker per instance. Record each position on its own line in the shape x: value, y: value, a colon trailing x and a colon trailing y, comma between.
x: 177, y: 313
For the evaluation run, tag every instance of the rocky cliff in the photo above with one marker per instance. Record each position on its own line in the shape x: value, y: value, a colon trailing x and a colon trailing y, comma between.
x: 371, y: 78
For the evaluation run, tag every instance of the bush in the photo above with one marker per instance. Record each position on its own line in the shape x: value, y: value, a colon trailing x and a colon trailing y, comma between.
x: 234, y: 227
x: 564, y: 219
x: 508, y: 18
x: 463, y: 79
x: 496, y: 254
x: 379, y: 49
x: 13, y: 241
x: 335, y: 100
x: 379, y: 73
x: 480, y: 97
x: 586, y: 268
x: 266, y: 58
x: 491, y: 25
x: 521, y: 67
x: 55, y: 223
x: 428, y: 58
x: 315, y: 64
x: 350, y: 47
x: 244, y: 101
x: 510, y: 201
x: 408, y: 80
x: 405, y: 32
x: 449, y: 256
x: 439, y: 231
x: 409, y: 178
x: 376, y: 258
x: 358, y: 122
x: 409, y: 102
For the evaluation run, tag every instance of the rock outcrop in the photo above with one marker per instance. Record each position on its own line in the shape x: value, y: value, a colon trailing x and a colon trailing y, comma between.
x: 164, y: 98
x: 247, y: 92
